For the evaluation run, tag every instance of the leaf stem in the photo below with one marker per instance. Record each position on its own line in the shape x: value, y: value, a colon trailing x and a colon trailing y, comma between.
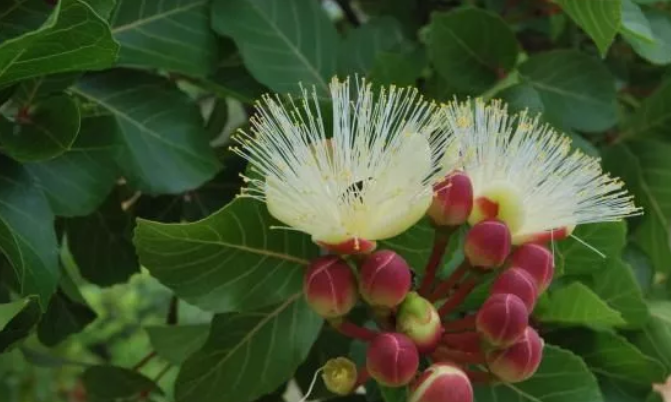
x: 440, y: 241
x: 354, y: 331
x: 144, y: 360
x: 457, y: 356
x: 464, y: 324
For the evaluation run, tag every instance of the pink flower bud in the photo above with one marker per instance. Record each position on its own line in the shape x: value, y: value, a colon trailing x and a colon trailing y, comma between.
x: 442, y: 382
x: 385, y: 279
x: 330, y: 287
x: 502, y: 320
x: 487, y: 244
x: 518, y: 282
x: 392, y: 359
x: 537, y: 261
x: 351, y: 246
x: 418, y: 319
x: 340, y: 376
x: 519, y: 361
x: 452, y: 200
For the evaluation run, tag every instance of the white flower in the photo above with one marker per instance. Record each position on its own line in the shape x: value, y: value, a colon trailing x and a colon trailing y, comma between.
x: 367, y: 175
x: 525, y: 174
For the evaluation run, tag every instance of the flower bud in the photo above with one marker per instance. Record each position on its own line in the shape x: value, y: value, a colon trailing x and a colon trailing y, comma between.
x: 544, y: 237
x: 340, y: 376
x: 502, y: 319
x: 537, y: 261
x: 442, y: 382
x: 452, y: 200
x: 518, y: 282
x: 519, y: 361
x: 487, y: 244
x: 330, y: 287
x: 351, y: 246
x: 418, y: 319
x: 385, y: 279
x: 392, y: 359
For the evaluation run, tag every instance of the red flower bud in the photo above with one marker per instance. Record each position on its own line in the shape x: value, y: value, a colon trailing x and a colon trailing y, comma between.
x: 519, y: 361
x: 385, y: 279
x: 518, y: 282
x: 442, y: 382
x: 392, y: 359
x: 502, y: 319
x: 537, y: 261
x: 418, y: 319
x: 487, y: 244
x: 351, y: 246
x: 330, y: 287
x: 452, y: 200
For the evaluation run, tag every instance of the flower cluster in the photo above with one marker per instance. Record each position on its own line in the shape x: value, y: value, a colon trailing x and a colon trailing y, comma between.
x: 388, y: 159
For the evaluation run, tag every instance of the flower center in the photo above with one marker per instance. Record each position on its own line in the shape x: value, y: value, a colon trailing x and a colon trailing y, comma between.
x: 499, y: 200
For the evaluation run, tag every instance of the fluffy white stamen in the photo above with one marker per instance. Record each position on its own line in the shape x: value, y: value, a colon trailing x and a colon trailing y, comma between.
x: 368, y: 174
x: 553, y: 187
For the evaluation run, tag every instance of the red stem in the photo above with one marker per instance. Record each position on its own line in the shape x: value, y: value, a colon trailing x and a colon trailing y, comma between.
x: 464, y: 324
x: 458, y: 297
x: 144, y: 360
x: 439, y: 245
x: 457, y: 356
x: 444, y: 288
x: 480, y: 377
x: 356, y: 332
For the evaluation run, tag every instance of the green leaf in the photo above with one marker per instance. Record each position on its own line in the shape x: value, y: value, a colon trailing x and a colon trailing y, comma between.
x: 53, y: 48
x: 249, y: 354
x: 49, y: 130
x: 281, y: 43
x: 522, y: 96
x: 576, y: 304
x: 174, y: 35
x: 165, y: 147
x: 27, y: 236
x: 470, y: 48
x: 611, y: 355
x: 177, y: 343
x: 653, y: 117
x: 619, y: 391
x: 414, y: 244
x: 601, y: 19
x: 401, y: 69
x: 78, y: 181
x: 577, y: 90
x: 110, y: 383
x: 655, y: 339
x: 634, y: 22
x: 22, y: 16
x: 561, y: 377
x: 617, y: 286
x: 101, y: 245
x: 229, y: 261
x: 573, y: 257
x: 360, y: 48
x: 396, y: 394
x: 104, y: 8
x: 63, y: 318
x: 659, y: 51
x: 21, y: 323
x: 232, y: 79
x: 31, y: 90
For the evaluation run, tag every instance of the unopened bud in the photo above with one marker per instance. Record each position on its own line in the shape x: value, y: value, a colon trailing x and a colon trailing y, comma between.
x: 537, y: 260
x: 442, y: 382
x: 340, y: 376
x: 392, y: 359
x: 487, y: 244
x: 330, y: 287
x: 385, y: 279
x: 518, y: 282
x: 351, y: 246
x: 418, y: 319
x: 502, y: 320
x: 452, y: 200
x: 519, y: 361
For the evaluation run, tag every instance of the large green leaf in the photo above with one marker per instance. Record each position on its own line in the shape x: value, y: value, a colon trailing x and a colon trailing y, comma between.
x: 177, y: 343
x: 282, y: 43
x: 230, y: 261
x: 573, y: 257
x: 470, y: 48
x: 53, y: 48
x: 653, y: 118
x: 22, y: 16
x: 48, y: 130
x: 617, y: 286
x: 165, y: 148
x: 659, y: 50
x: 78, y: 181
x: 361, y: 46
x: 27, y: 236
x: 634, y: 22
x: 398, y: 68
x: 20, y: 320
x: 576, y: 89
x: 655, y: 339
x: 561, y: 377
x: 249, y: 354
x: 601, y: 19
x: 63, y: 318
x: 174, y: 35
x: 576, y: 304
x: 414, y: 244
x: 110, y: 383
